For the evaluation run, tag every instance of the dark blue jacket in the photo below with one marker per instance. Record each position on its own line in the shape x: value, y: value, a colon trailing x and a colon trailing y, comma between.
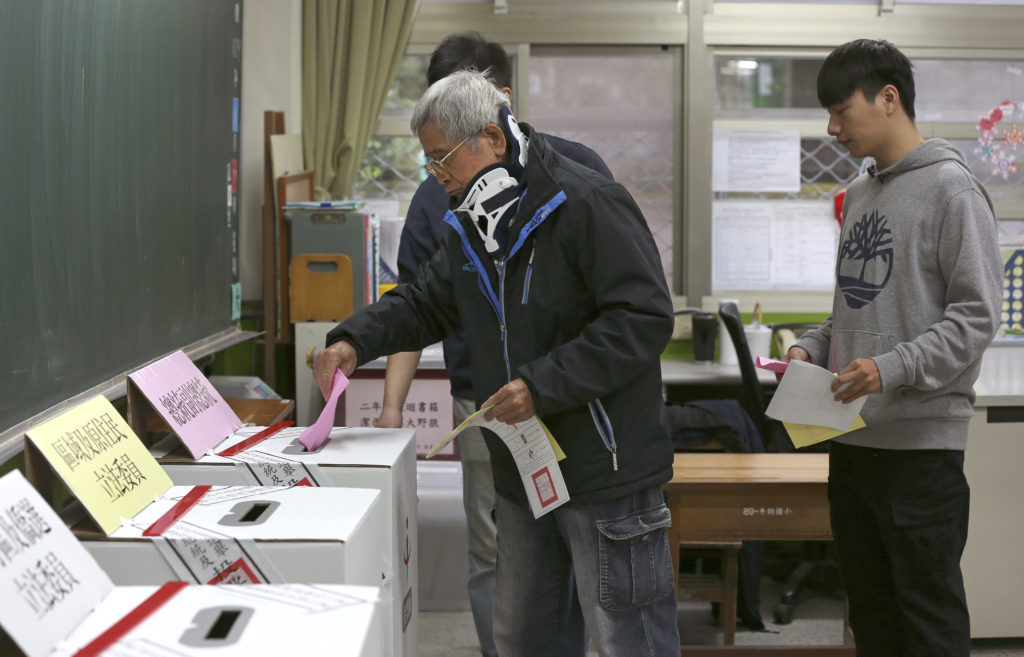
x: 425, y: 230
x: 580, y: 311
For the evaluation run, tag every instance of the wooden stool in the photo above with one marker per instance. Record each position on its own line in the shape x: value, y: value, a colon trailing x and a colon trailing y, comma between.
x: 721, y: 588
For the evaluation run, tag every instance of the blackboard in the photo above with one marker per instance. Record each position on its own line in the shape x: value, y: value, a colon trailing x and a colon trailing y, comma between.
x: 118, y: 188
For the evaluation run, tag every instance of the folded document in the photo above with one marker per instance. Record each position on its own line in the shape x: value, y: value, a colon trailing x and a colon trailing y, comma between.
x: 804, y: 401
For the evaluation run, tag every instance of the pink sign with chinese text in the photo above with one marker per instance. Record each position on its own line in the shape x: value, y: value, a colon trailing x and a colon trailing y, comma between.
x: 187, y: 401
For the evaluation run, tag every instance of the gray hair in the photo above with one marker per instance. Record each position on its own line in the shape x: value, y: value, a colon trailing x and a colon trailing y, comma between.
x: 460, y: 104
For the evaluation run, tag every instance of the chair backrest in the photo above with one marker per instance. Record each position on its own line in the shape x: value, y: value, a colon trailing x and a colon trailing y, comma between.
x: 756, y: 399
x: 320, y: 287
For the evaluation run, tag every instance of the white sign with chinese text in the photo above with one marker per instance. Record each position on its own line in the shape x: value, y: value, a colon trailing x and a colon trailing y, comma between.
x: 428, y: 409
x: 48, y: 582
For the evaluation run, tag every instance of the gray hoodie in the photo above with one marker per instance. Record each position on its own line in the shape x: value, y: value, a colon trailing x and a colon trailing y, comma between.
x: 919, y: 291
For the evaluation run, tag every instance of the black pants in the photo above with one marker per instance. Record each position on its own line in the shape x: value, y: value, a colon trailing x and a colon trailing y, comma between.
x: 899, y: 519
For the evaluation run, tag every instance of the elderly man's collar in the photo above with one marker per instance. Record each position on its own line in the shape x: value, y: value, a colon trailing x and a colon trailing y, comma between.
x: 492, y: 197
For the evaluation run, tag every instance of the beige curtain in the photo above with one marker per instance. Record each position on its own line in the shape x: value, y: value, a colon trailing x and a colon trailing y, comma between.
x: 350, y: 52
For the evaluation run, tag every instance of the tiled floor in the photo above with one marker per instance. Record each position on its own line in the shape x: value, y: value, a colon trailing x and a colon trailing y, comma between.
x: 818, y: 620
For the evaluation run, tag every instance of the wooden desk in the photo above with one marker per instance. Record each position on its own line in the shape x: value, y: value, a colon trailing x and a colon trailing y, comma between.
x: 721, y: 497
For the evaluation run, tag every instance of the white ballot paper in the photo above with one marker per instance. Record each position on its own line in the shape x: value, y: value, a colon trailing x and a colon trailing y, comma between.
x: 805, y: 396
x: 536, y: 454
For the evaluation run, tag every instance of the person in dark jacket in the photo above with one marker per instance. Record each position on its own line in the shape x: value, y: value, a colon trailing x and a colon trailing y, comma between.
x: 552, y: 273
x: 422, y: 234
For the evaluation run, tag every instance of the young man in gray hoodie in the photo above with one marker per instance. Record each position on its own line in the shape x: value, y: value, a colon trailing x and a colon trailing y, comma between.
x: 917, y: 302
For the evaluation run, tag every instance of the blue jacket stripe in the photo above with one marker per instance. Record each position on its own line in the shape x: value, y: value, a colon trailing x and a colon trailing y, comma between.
x: 539, y: 216
x: 604, y: 427
x: 481, y: 273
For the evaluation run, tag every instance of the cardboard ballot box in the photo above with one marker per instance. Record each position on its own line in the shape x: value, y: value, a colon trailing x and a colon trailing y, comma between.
x: 260, y: 534
x: 382, y: 459
x: 58, y: 601
x: 146, y: 532
x: 209, y: 446
x: 242, y: 621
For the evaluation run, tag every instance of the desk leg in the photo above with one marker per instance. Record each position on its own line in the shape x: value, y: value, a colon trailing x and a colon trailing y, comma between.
x: 673, y: 541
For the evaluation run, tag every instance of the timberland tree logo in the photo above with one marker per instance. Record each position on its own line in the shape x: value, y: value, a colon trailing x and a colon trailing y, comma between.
x: 865, y: 260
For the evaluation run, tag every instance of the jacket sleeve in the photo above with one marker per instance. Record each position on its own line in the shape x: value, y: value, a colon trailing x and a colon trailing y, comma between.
x: 632, y: 323
x: 408, y: 318
x: 970, y: 263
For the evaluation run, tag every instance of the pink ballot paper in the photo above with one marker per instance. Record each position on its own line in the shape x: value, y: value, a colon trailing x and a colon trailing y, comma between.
x: 771, y: 365
x: 315, y: 435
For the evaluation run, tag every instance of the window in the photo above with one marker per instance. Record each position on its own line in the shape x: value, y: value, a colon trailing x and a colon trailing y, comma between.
x: 622, y: 105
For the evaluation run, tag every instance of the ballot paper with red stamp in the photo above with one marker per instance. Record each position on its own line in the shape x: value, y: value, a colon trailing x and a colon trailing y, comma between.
x: 536, y: 453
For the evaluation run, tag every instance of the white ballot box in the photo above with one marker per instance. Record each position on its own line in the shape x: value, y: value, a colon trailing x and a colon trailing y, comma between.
x: 209, y: 445
x: 382, y: 459
x: 144, y: 530
x: 239, y: 621
x: 59, y: 602
x: 248, y: 534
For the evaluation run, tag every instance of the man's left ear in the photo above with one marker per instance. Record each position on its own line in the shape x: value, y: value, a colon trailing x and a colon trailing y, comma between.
x: 494, y: 138
x: 891, y: 96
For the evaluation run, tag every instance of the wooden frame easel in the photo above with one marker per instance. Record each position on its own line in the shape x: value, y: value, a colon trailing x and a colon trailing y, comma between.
x: 273, y: 124
x: 290, y: 188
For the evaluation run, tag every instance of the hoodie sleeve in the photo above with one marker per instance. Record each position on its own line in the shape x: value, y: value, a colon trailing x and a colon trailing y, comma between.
x: 816, y: 342
x: 970, y: 264
x: 632, y: 321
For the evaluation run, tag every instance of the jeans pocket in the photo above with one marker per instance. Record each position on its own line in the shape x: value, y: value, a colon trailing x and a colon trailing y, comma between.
x: 635, y: 562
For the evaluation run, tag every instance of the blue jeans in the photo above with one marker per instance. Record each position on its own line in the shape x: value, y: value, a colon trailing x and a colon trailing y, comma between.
x: 619, y: 553
x: 478, y: 501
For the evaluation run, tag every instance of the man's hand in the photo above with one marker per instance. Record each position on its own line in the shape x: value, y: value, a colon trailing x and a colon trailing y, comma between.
x: 390, y: 418
x: 340, y: 355
x: 794, y: 353
x: 512, y: 403
x: 862, y: 375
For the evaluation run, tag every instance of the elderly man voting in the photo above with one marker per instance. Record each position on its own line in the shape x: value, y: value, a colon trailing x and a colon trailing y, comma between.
x: 552, y: 272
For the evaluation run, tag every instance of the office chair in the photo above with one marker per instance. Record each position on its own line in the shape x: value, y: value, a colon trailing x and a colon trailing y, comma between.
x: 772, y: 434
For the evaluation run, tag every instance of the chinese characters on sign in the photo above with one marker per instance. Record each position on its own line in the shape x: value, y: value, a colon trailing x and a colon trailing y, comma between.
x: 21, y: 527
x: 48, y: 582
x: 102, y: 461
x: 84, y: 443
x: 119, y: 477
x: 45, y: 583
x: 187, y: 401
x: 775, y: 511
x: 209, y: 557
x: 428, y: 410
x: 273, y: 470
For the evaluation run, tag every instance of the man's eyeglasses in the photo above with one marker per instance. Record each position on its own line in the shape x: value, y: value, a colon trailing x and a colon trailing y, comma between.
x: 437, y: 167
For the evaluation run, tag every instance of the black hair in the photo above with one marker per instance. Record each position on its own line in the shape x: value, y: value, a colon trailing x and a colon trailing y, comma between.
x: 470, y: 50
x: 866, y: 65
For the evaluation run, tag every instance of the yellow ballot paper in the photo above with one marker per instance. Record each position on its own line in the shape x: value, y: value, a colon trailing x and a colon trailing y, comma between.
x: 536, y: 453
x: 102, y: 461
x: 803, y: 435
